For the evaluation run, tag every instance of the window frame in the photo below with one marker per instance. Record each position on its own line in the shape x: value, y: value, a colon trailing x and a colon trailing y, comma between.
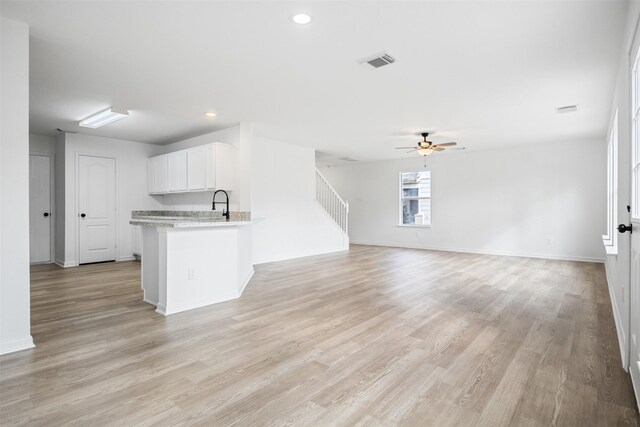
x: 635, y: 138
x: 610, y: 239
x: 401, y: 198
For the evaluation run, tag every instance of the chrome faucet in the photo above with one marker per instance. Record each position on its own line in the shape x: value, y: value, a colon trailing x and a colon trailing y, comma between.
x: 225, y: 213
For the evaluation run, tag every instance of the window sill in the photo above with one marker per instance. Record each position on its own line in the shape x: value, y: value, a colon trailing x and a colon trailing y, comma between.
x: 414, y: 225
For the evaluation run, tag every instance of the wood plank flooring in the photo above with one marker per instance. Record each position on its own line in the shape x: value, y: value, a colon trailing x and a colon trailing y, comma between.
x: 375, y: 337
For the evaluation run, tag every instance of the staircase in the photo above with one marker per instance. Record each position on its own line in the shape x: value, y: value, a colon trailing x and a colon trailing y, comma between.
x: 332, y: 203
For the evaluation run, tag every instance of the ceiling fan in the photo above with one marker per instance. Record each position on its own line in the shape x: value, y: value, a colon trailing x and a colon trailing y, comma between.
x: 425, y: 148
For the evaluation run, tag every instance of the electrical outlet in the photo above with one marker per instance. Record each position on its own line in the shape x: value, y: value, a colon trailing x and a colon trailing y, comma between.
x: 192, y: 273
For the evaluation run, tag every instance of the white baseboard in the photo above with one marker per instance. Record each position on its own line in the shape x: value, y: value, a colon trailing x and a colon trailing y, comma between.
x: 16, y: 344
x: 622, y: 342
x: 246, y: 282
x: 482, y: 252
x: 332, y: 251
x: 64, y: 264
x: 126, y: 258
x: 161, y: 309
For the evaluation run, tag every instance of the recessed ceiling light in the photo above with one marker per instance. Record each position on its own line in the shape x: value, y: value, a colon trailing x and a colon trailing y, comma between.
x: 301, y: 18
x: 210, y: 114
x: 104, y: 117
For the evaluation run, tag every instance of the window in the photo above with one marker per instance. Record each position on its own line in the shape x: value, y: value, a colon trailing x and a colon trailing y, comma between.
x: 415, y: 198
x: 635, y: 141
x: 611, y: 238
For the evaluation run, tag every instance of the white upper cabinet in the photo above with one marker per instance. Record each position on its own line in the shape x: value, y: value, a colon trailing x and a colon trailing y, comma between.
x: 204, y: 168
x: 196, y: 167
x: 158, y: 176
x: 210, y: 155
x: 177, y: 171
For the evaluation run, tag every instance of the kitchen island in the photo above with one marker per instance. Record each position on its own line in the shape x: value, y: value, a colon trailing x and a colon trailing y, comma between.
x: 193, y: 258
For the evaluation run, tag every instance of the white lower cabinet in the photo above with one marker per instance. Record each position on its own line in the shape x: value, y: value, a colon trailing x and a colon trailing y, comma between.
x: 204, y: 168
x: 136, y: 243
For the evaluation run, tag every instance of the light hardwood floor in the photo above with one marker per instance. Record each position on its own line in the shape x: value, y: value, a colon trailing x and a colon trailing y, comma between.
x: 378, y: 336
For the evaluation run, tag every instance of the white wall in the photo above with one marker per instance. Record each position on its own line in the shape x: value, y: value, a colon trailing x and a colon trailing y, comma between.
x: 617, y: 265
x: 276, y: 182
x: 42, y: 144
x: 59, y: 197
x: 283, y: 192
x: 14, y: 187
x: 509, y: 201
x: 131, y: 187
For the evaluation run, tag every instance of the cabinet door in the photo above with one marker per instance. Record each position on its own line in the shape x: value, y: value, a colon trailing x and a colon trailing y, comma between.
x: 160, y: 181
x: 196, y: 169
x: 151, y: 186
x: 137, y: 239
x: 210, y: 166
x: 178, y: 171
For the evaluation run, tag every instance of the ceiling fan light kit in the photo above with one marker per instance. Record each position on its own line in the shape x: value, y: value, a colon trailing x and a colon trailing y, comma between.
x: 426, y: 148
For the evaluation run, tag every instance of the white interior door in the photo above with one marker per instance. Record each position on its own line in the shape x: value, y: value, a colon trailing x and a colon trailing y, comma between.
x: 40, y: 203
x: 634, y: 309
x: 96, y: 209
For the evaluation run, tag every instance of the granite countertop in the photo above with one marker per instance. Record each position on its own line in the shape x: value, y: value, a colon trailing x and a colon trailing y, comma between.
x: 189, y: 219
x: 186, y: 223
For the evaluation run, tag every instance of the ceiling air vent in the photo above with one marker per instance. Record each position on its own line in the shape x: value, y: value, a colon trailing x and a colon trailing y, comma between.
x: 347, y: 159
x: 377, y: 61
x: 567, y: 109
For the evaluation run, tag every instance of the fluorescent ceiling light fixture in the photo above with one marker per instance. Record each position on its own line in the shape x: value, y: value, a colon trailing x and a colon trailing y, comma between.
x: 301, y: 18
x: 210, y: 114
x: 102, y: 118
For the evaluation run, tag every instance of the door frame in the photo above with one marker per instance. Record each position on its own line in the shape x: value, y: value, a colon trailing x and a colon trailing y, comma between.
x: 76, y: 202
x: 634, y: 218
x: 52, y: 207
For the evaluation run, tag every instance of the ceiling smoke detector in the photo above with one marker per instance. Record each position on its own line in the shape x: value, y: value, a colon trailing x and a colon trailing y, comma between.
x: 567, y: 109
x: 377, y: 61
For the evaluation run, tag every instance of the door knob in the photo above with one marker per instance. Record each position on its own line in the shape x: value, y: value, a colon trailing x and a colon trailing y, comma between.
x: 624, y: 228
x: 46, y: 214
x: 83, y: 215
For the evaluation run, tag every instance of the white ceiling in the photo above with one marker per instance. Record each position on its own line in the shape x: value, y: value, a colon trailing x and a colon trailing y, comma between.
x: 486, y: 74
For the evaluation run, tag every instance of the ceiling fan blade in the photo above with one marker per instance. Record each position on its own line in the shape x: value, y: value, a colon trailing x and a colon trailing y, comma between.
x: 411, y: 151
x: 404, y: 148
x: 446, y: 144
x: 436, y: 148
